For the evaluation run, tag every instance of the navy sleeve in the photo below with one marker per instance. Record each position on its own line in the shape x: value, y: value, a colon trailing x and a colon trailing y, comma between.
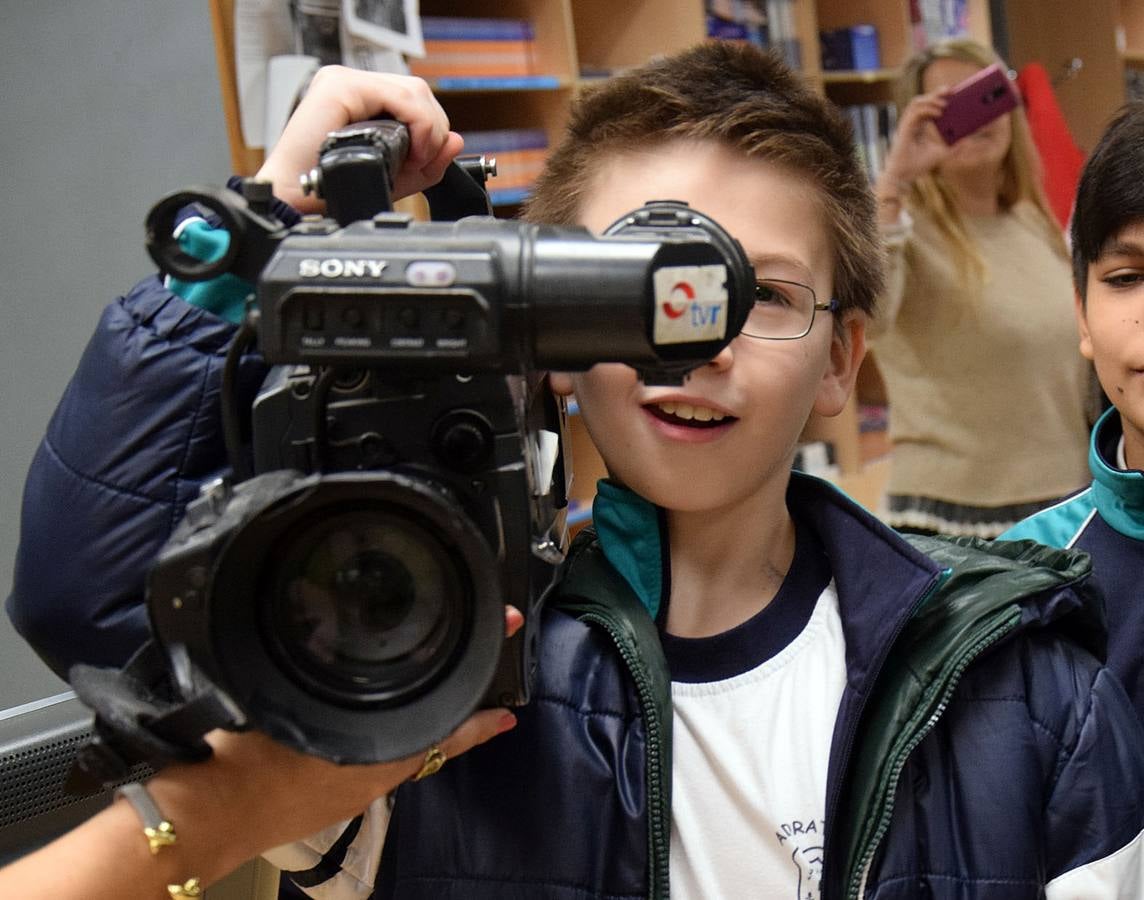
x: 1095, y: 813
x: 135, y: 434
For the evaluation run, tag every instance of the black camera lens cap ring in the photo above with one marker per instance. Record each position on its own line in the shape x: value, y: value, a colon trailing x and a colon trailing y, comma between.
x: 163, y: 246
x: 666, y: 215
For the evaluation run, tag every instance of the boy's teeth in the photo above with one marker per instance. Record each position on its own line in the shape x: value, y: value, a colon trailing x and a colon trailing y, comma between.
x: 687, y: 411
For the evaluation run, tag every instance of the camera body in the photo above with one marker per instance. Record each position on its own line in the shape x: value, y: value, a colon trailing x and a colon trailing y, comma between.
x: 361, y: 575
x: 409, y: 476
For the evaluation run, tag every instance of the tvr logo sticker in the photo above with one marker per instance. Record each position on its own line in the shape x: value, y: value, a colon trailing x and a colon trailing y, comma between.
x: 682, y: 293
x: 691, y: 304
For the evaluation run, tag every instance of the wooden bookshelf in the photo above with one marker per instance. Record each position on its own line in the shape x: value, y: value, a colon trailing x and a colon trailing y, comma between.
x: 580, y: 41
x: 244, y: 160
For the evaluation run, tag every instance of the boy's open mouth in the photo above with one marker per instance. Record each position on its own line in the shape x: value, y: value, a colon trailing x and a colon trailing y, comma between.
x: 687, y: 415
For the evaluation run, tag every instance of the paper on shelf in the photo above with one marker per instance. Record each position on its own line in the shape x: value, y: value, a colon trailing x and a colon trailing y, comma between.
x: 262, y: 29
x: 392, y: 24
x: 286, y: 80
x: 360, y: 53
x: 275, y: 56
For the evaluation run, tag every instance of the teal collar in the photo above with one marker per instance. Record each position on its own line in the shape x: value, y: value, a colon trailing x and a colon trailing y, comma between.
x: 1118, y: 494
x: 631, y: 534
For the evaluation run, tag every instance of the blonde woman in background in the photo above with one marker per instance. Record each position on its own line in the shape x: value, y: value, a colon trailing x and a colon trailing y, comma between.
x: 975, y: 337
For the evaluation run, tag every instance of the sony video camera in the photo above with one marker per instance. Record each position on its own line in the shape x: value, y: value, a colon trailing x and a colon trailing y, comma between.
x: 405, y: 474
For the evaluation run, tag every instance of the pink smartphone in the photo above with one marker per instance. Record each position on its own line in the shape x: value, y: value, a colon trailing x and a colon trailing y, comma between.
x: 975, y: 102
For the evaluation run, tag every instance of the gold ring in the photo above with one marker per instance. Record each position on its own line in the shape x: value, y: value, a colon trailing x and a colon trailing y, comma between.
x: 434, y: 758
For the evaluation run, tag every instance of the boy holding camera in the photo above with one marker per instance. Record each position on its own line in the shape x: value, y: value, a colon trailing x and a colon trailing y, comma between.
x: 1107, y: 518
x: 748, y: 686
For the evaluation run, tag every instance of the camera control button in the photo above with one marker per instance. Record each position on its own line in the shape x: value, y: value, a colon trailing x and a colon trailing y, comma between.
x: 197, y: 577
x: 190, y: 598
x: 463, y: 440
x: 317, y: 226
x: 430, y: 273
x: 352, y: 317
x: 206, y: 508
x: 454, y: 319
x: 409, y: 317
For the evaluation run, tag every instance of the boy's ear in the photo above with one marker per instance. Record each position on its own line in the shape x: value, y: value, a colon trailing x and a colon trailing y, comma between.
x: 1082, y: 326
x: 847, y: 350
x: 561, y: 383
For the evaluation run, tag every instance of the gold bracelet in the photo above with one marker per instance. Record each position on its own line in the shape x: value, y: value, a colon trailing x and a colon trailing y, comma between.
x: 160, y: 833
x: 189, y: 888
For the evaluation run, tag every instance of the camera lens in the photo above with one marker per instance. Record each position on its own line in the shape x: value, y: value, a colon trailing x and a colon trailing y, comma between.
x: 358, y: 616
x: 367, y: 605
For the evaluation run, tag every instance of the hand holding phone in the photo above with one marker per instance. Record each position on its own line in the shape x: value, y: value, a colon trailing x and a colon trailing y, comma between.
x: 976, y: 102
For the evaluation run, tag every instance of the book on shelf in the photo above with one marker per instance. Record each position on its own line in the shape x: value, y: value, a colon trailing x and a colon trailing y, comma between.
x: 784, y: 31
x: 767, y: 23
x: 737, y: 20
x: 476, y: 48
x: 852, y: 48
x: 497, y: 83
x: 466, y: 63
x: 874, y: 125
x: 934, y: 20
x: 464, y: 28
x: 1133, y: 84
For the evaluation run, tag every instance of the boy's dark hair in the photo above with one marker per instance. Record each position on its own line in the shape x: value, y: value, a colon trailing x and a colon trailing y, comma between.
x: 747, y: 99
x: 1110, y: 196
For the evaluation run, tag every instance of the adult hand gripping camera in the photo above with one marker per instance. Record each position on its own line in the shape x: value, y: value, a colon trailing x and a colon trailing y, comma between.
x: 408, y: 469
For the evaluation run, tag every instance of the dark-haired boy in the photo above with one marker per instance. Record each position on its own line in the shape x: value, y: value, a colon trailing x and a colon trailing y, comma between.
x: 1107, y: 518
x: 749, y: 687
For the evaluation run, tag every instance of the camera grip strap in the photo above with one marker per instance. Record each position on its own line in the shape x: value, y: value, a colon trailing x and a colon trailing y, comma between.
x: 141, y: 716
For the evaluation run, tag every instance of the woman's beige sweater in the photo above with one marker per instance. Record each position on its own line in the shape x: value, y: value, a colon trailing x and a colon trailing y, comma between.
x: 987, y: 387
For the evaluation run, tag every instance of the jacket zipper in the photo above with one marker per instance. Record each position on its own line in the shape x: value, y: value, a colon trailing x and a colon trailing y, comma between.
x: 857, y: 887
x: 848, y: 745
x: 658, y: 818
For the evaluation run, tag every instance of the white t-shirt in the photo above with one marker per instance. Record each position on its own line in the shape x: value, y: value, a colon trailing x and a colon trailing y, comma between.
x: 754, y: 712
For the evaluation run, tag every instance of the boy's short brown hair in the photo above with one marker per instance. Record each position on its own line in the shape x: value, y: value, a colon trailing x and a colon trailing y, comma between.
x: 749, y: 100
x: 1110, y: 195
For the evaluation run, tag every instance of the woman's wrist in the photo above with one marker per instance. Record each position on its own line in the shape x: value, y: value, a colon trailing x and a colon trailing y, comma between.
x: 252, y: 773
x: 891, y: 188
x: 214, y: 839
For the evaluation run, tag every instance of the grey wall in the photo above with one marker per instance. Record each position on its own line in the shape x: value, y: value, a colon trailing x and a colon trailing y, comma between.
x: 104, y: 107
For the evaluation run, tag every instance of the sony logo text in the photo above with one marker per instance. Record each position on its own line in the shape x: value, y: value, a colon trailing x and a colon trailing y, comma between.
x: 341, y: 268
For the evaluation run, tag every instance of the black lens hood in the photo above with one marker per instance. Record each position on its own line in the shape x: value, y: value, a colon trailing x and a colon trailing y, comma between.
x: 247, y: 661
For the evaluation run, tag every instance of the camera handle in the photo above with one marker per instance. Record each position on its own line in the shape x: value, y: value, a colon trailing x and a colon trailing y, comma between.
x: 355, y: 172
x: 356, y: 169
x: 358, y: 164
x: 354, y: 175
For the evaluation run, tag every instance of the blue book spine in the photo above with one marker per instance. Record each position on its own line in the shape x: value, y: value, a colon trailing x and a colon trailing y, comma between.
x: 507, y: 83
x: 445, y: 28
x: 508, y: 196
x: 726, y: 30
x: 505, y: 140
x: 579, y: 511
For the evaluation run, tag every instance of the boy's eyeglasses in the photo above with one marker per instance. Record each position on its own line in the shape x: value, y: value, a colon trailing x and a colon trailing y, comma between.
x: 783, y: 310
